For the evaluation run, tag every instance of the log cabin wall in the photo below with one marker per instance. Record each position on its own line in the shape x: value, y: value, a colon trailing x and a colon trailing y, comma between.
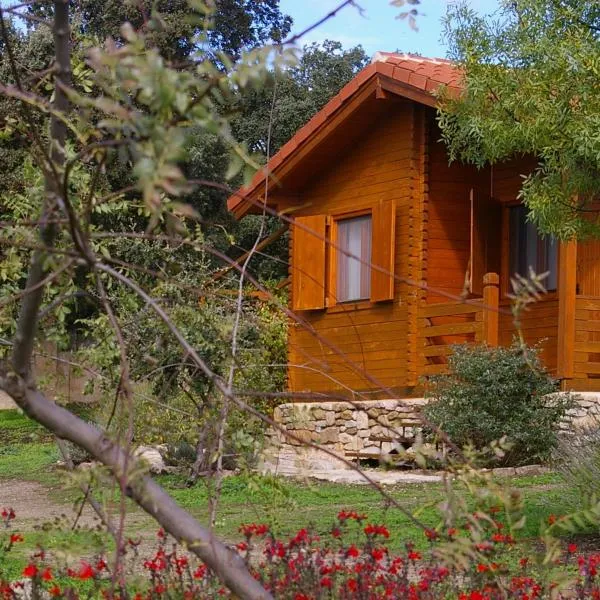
x: 386, y: 165
x: 448, y: 219
x: 447, y: 241
x: 539, y: 324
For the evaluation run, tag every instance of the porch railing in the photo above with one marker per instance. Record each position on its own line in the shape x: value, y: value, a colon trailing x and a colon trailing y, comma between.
x: 587, y: 340
x: 442, y: 325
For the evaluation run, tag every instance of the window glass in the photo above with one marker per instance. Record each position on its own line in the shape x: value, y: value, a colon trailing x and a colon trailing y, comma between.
x: 529, y: 249
x: 354, y: 276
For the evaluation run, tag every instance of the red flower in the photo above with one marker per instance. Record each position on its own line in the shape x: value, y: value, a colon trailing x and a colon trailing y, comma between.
x: 161, y: 533
x: 412, y: 555
x: 7, y: 514
x: 352, y: 585
x: 481, y: 568
x: 251, y: 529
x: 326, y: 582
x: 30, y: 570
x: 16, y: 537
x: 571, y: 548
x: 377, y: 530
x: 301, y: 536
x: 552, y: 519
x: 85, y: 571
x: 344, y: 515
x: 452, y: 532
x: 523, y: 562
x: 377, y: 554
x: 353, y: 551
x: 431, y: 534
x: 47, y: 574
x: 101, y: 565
x: 160, y: 588
x: 55, y: 591
x: 200, y: 572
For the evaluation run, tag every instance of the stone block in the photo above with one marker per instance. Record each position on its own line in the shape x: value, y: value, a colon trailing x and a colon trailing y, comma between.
x: 361, y: 418
x: 318, y: 414
x: 346, y: 438
x: 302, y: 436
x: 363, y: 433
x: 330, y: 417
x: 329, y: 436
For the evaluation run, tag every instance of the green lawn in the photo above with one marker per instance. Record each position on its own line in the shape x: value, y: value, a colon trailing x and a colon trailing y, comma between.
x: 285, y: 504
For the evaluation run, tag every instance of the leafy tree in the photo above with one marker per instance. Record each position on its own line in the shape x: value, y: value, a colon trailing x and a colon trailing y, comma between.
x: 65, y: 226
x: 531, y: 87
x: 295, y: 95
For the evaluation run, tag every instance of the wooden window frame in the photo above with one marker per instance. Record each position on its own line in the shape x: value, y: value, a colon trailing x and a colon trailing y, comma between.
x: 332, y: 303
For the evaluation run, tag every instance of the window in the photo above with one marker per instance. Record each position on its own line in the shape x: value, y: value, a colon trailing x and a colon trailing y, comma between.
x: 528, y: 249
x: 353, y: 277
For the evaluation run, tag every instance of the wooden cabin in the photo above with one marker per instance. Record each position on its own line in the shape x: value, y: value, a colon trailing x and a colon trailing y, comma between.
x: 395, y: 254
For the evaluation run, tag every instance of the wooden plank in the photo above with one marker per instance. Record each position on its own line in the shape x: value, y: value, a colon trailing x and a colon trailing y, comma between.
x: 450, y: 329
x: 567, y: 290
x: 484, y: 239
x: 436, y: 350
x: 587, y: 347
x: 434, y: 369
x: 308, y: 263
x: 383, y: 251
x: 448, y: 308
x: 584, y: 303
x: 591, y: 368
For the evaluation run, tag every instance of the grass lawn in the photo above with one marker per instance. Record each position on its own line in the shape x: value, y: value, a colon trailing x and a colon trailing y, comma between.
x: 286, y: 505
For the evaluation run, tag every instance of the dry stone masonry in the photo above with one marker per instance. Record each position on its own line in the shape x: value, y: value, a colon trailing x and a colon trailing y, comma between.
x: 368, y: 428
x: 364, y: 429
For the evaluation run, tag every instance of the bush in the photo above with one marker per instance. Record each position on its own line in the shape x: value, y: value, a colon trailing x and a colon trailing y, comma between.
x: 494, y: 392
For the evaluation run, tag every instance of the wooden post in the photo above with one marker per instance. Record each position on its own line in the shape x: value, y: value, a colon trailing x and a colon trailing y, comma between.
x: 567, y: 294
x: 491, y: 301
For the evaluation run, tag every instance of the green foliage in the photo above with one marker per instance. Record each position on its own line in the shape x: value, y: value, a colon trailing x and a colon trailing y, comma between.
x: 495, y: 393
x: 531, y: 82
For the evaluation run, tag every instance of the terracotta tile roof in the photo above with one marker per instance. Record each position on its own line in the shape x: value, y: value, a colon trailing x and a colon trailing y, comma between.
x: 418, y: 76
x: 424, y: 73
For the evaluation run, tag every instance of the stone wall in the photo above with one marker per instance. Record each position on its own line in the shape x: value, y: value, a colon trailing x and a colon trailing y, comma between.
x: 364, y: 429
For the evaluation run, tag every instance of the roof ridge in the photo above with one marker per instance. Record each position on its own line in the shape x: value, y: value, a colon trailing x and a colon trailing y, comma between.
x: 382, y: 56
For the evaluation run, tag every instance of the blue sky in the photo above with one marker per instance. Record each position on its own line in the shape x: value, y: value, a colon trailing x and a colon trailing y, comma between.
x: 378, y: 29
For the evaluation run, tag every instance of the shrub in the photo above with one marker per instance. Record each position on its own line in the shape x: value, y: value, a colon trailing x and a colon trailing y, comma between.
x: 494, y: 392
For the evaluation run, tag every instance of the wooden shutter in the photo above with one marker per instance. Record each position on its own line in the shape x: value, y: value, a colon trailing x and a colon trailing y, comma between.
x: 486, y: 222
x: 308, y: 263
x: 383, y: 240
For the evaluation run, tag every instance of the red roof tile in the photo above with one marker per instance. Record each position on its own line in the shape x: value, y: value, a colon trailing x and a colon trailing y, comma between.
x: 424, y: 75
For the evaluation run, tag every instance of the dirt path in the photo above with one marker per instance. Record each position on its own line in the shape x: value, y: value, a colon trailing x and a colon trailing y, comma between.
x: 32, y: 504
x: 35, y: 504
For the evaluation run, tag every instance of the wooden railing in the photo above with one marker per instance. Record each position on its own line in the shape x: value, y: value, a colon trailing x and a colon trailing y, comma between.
x: 587, y: 342
x: 445, y: 324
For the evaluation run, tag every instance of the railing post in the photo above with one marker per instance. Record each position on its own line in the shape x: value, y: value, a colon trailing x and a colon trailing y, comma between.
x: 491, y: 301
x: 567, y: 296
